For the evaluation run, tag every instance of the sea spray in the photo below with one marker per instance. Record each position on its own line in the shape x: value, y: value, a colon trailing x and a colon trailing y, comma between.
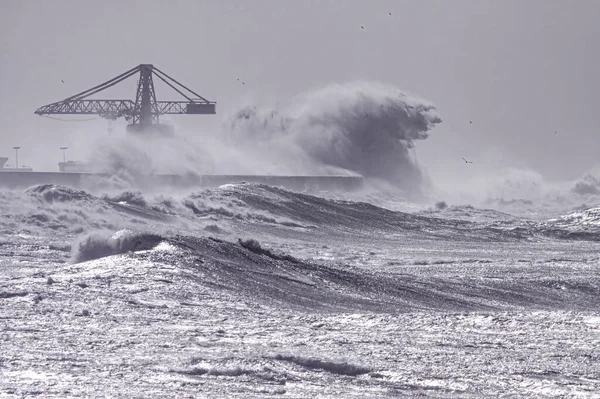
x: 356, y: 128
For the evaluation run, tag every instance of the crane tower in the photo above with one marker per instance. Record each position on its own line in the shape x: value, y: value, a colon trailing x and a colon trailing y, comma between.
x: 143, y: 112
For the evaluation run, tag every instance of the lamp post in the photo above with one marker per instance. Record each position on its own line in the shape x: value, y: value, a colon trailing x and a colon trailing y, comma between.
x: 64, y: 156
x: 17, y: 156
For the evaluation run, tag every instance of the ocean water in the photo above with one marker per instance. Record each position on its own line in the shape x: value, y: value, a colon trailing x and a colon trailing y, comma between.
x: 247, y: 290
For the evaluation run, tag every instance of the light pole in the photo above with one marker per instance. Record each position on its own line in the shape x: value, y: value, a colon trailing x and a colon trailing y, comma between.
x: 64, y: 156
x: 17, y: 155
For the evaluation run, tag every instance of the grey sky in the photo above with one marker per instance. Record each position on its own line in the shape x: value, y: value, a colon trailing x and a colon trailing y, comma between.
x: 520, y: 70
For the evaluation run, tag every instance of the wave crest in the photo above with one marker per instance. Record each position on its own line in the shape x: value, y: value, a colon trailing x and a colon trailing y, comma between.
x: 362, y: 127
x: 102, y: 244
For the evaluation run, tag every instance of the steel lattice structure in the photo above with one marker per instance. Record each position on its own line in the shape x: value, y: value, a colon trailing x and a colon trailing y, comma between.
x: 144, y: 110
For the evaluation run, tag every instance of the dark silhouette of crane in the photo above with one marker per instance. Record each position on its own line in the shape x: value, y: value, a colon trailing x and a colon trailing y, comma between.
x: 143, y: 112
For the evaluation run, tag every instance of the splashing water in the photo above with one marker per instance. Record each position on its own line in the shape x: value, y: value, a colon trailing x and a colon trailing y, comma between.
x: 358, y: 128
x: 366, y: 128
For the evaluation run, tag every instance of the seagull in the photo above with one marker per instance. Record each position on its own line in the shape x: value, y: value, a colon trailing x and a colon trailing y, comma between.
x: 470, y: 121
x: 467, y: 161
x: 62, y: 81
x: 390, y: 13
x: 362, y: 27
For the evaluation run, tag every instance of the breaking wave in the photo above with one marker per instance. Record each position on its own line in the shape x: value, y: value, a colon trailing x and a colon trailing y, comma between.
x: 229, y: 268
x: 52, y: 193
x: 363, y: 127
x: 256, y: 207
x: 358, y: 128
x: 99, y: 245
x: 215, y: 242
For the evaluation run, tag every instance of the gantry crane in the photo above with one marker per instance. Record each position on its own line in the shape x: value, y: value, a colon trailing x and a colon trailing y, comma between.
x: 143, y: 112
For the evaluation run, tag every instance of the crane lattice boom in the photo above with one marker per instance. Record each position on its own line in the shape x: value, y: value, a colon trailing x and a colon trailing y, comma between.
x: 142, y: 111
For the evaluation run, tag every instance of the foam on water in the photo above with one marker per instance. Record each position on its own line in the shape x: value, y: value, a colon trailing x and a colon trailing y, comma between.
x: 251, y: 288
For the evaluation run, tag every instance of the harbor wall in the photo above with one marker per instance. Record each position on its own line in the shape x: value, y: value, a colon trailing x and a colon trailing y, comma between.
x: 22, y: 180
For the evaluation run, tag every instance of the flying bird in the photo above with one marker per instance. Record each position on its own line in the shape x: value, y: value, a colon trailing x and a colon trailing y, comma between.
x: 390, y: 13
x: 467, y: 161
x: 62, y: 81
x: 470, y: 121
x: 362, y: 27
x: 556, y: 132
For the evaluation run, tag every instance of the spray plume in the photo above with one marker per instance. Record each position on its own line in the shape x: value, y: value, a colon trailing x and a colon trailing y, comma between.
x: 357, y: 128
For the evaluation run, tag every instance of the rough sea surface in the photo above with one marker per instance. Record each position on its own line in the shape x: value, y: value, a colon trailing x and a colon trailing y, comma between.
x: 253, y: 291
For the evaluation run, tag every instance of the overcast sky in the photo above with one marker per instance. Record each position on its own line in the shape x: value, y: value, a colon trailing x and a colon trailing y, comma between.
x: 519, y: 69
